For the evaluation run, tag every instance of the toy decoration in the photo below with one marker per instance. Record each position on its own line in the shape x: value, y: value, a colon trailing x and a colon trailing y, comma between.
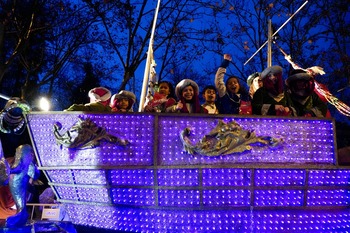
x: 85, y: 134
x: 224, y: 139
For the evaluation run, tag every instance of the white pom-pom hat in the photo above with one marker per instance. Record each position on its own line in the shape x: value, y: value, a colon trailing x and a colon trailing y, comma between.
x: 99, y: 94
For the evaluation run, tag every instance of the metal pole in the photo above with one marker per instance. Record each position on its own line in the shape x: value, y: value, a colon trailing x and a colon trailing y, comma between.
x: 5, y: 97
x: 148, y: 61
x: 269, y: 44
x: 276, y: 32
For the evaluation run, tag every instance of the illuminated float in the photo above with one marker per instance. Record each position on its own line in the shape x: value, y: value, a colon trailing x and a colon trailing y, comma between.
x: 138, y: 172
x: 145, y: 181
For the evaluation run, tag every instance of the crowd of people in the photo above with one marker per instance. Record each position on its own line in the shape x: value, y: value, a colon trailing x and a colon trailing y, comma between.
x: 268, y: 94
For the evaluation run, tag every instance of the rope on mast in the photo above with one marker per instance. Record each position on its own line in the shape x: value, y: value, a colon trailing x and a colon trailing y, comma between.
x: 276, y: 31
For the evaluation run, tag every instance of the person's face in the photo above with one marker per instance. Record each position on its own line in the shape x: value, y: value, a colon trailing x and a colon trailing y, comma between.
x: 188, y: 93
x: 257, y: 83
x: 93, y: 100
x: 301, y: 88
x: 209, y: 95
x: 123, y: 103
x: 164, y: 89
x: 301, y: 84
x: 232, y: 85
x: 272, y: 78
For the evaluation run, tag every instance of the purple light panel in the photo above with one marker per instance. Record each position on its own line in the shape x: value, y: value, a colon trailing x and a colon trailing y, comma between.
x: 131, y: 196
x: 136, y: 187
x: 329, y: 178
x: 67, y: 193
x: 99, y: 195
x: 134, y: 177
x: 178, y: 177
x: 138, y: 129
x: 336, y: 197
x: 179, y: 198
x: 61, y: 176
x: 226, y: 177
x: 279, y: 177
x: 93, y: 177
x: 305, y: 141
x: 226, y: 197
x: 278, y: 197
x: 245, y: 221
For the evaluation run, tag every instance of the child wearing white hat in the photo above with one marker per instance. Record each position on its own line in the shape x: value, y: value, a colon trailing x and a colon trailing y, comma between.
x: 123, y: 101
x: 187, y: 91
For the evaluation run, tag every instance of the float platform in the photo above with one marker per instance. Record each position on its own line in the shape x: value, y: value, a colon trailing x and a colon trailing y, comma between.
x: 152, y: 185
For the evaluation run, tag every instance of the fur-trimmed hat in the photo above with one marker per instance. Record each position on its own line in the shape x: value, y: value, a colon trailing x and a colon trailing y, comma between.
x: 298, y: 75
x: 271, y: 70
x: 185, y: 83
x: 123, y: 94
x: 252, y: 77
x: 99, y: 94
x: 300, y: 92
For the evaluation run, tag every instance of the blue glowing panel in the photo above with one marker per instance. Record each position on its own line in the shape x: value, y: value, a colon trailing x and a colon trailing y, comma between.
x: 304, y: 141
x: 278, y: 197
x: 226, y: 197
x: 279, y: 177
x: 226, y: 177
x: 132, y: 196
x: 100, y: 195
x: 138, y: 129
x: 179, y: 198
x: 245, y: 221
x: 301, y: 221
x: 336, y: 197
x: 134, y: 177
x: 97, y: 177
x: 178, y: 177
x: 67, y: 193
x: 329, y: 178
x: 60, y: 176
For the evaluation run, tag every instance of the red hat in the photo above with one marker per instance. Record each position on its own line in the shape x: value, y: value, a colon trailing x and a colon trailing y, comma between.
x: 99, y: 94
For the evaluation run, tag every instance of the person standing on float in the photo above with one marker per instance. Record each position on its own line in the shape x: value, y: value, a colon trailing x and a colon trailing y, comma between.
x: 231, y: 93
x: 269, y: 99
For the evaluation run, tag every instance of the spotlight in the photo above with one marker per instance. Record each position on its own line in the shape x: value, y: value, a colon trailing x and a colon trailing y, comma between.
x: 44, y: 104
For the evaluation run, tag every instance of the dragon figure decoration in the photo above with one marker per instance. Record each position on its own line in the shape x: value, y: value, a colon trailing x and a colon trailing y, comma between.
x: 224, y: 139
x: 85, y: 134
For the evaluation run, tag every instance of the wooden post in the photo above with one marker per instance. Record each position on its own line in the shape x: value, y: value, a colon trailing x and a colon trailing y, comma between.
x: 269, y: 50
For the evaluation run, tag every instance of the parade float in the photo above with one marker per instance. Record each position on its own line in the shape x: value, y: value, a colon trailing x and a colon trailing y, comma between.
x: 159, y: 172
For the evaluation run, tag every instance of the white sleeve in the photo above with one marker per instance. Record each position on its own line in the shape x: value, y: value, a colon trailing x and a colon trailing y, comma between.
x: 219, y: 81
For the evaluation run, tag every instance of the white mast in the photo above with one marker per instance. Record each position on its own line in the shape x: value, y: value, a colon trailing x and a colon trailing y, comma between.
x: 149, y: 62
x: 276, y: 32
x: 269, y: 48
